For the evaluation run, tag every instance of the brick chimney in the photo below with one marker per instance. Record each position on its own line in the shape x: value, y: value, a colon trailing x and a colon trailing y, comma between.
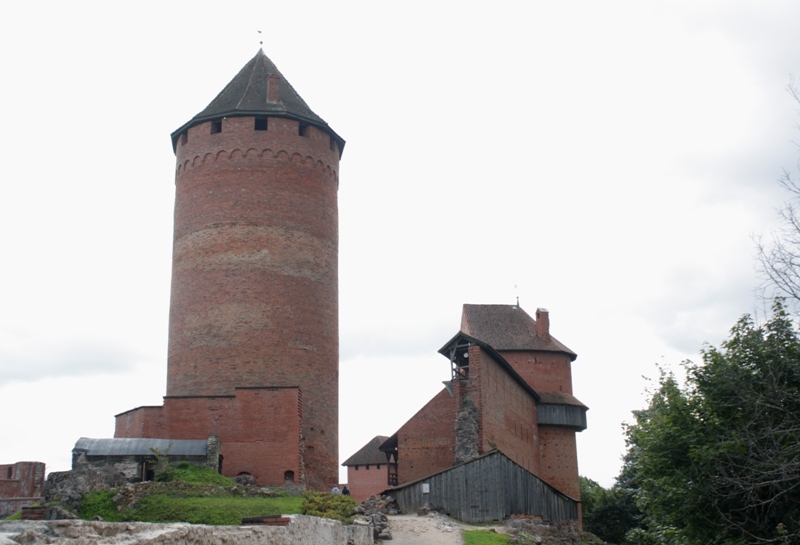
x: 543, y: 323
x: 273, y: 82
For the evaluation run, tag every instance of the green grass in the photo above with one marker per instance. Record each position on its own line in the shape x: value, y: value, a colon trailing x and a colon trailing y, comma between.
x: 191, y: 494
x: 484, y: 537
x: 199, y: 506
x: 101, y: 504
x: 15, y: 516
x: 211, y: 510
x: 188, y: 473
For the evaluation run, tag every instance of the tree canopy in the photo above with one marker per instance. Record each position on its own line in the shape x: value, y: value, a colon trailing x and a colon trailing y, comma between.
x: 716, y: 460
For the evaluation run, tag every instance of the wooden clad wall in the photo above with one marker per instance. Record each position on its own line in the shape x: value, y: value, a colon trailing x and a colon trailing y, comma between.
x: 488, y: 488
x: 572, y: 416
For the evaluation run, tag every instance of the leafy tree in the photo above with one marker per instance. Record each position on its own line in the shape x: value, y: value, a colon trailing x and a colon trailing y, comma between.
x: 607, y: 513
x: 717, y: 461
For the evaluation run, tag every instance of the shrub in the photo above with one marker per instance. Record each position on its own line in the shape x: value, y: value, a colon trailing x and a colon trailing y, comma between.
x: 327, y: 505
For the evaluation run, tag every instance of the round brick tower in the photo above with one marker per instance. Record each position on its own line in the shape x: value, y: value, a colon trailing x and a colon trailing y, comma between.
x: 254, y: 300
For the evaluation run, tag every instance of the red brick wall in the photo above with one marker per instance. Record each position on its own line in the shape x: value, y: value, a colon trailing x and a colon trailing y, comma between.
x: 559, y: 454
x: 544, y: 371
x: 255, y: 272
x: 25, y: 487
x: 367, y: 481
x: 425, y: 443
x: 259, y: 429
x: 508, y: 412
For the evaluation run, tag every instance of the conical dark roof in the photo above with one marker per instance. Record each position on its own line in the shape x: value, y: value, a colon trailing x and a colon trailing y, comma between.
x: 246, y: 95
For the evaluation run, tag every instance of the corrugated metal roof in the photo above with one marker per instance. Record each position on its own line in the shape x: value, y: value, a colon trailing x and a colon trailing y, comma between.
x: 369, y: 453
x: 507, y: 327
x: 140, y: 446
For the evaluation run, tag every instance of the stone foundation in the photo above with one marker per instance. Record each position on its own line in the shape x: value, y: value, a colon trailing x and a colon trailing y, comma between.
x: 301, y: 529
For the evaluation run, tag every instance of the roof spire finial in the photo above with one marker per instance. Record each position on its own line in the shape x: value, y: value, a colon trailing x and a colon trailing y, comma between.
x: 517, y: 290
x: 260, y: 39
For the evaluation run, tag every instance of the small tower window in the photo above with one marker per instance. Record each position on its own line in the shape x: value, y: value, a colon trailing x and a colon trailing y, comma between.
x: 261, y: 124
x: 216, y: 126
x: 333, y: 146
x: 10, y: 472
x: 302, y: 129
x: 184, y: 137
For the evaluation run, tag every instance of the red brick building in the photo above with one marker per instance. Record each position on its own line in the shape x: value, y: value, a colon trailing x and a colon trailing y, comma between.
x: 21, y: 485
x: 511, y: 390
x: 253, y: 330
x: 367, y: 469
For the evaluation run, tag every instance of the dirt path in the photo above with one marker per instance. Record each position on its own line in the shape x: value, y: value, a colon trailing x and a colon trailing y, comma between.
x: 433, y: 529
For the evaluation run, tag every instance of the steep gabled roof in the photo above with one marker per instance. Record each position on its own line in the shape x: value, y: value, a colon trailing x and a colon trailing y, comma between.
x: 507, y: 327
x: 369, y: 453
x: 246, y: 95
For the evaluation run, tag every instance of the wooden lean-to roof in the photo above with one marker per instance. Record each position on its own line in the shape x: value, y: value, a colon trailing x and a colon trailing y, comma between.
x: 246, y: 95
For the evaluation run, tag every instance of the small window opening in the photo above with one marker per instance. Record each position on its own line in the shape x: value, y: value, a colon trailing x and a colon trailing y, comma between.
x: 216, y: 127
x: 379, y: 466
x: 367, y: 466
x: 333, y: 146
x: 302, y: 129
x: 184, y: 137
x: 261, y: 124
x: 356, y: 468
x: 10, y: 472
x: 288, y: 476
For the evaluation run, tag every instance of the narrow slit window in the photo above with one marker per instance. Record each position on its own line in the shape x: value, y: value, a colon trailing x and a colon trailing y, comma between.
x: 184, y: 137
x: 302, y: 129
x: 261, y: 124
x: 216, y: 127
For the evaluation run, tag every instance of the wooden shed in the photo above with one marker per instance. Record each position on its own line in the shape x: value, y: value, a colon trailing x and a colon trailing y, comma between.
x: 490, y: 487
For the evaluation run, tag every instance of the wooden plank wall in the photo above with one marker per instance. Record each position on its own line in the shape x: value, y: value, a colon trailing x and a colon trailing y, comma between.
x: 489, y: 488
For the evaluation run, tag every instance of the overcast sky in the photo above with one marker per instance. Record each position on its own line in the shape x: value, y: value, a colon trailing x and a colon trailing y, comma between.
x: 609, y: 161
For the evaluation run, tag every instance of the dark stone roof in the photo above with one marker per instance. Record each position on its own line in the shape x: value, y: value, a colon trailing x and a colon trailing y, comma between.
x: 119, y: 446
x: 369, y: 453
x: 507, y: 327
x: 246, y: 95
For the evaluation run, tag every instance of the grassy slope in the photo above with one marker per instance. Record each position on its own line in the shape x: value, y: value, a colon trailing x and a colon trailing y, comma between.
x: 193, y: 494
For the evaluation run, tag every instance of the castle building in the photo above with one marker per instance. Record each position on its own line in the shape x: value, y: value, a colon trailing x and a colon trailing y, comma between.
x: 253, y: 326
x: 510, y: 391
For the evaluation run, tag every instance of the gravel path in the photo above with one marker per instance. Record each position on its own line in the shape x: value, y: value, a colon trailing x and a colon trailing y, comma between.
x: 432, y: 529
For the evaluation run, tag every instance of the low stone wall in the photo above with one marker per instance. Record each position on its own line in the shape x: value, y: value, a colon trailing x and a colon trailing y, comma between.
x: 9, y: 506
x: 301, y: 530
